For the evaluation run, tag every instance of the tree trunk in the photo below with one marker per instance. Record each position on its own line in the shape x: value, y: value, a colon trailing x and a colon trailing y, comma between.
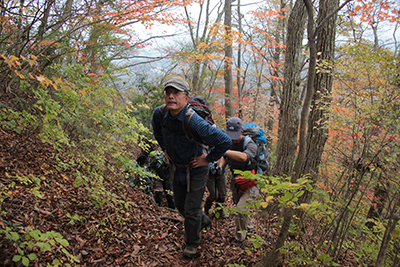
x: 301, y: 157
x: 288, y: 118
x: 229, y: 112
x: 391, y: 226
x: 378, y: 203
x: 290, y: 103
x: 239, y: 63
x: 317, y: 133
x: 279, y: 38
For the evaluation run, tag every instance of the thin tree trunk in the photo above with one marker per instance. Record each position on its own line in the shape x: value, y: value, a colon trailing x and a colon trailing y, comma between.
x: 239, y: 55
x: 390, y: 227
x: 229, y: 112
x: 301, y: 157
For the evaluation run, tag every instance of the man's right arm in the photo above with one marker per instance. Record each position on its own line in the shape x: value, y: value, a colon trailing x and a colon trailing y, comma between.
x: 236, y: 155
x: 156, y: 123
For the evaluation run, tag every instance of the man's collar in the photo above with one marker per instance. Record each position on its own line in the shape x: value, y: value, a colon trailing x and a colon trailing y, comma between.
x: 181, y: 114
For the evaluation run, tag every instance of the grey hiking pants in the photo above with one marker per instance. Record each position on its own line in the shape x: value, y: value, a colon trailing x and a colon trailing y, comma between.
x: 242, y: 199
x: 189, y: 205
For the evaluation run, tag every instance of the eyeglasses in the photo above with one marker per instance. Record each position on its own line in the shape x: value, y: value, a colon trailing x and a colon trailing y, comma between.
x: 174, y: 92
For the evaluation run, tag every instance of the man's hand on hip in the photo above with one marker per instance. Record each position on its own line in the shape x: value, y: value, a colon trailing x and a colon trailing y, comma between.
x: 199, y: 161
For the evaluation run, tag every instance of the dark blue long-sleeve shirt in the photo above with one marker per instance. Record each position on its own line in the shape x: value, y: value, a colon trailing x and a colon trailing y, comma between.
x: 172, y: 139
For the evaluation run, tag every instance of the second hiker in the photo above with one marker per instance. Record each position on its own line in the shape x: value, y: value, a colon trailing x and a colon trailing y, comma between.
x: 241, y: 157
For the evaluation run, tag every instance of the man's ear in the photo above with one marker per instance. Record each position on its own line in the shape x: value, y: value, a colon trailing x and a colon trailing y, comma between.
x: 187, y: 98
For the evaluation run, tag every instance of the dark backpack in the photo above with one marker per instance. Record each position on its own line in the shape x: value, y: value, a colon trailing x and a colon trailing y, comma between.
x: 157, y: 161
x: 256, y: 133
x: 200, y: 105
x: 196, y: 104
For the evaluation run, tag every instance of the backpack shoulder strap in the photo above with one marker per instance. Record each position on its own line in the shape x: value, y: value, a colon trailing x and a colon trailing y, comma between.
x: 161, y: 113
x: 186, y: 129
x: 185, y: 125
x: 246, y: 141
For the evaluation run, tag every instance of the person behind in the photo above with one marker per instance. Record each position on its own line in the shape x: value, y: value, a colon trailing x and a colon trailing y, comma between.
x: 240, y: 158
x: 188, y: 161
x: 161, y: 184
x: 216, y: 185
x: 141, y: 180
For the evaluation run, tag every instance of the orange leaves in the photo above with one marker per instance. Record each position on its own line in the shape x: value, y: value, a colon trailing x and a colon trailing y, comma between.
x: 373, y: 11
x: 271, y: 13
x: 12, y: 61
x: 19, y: 67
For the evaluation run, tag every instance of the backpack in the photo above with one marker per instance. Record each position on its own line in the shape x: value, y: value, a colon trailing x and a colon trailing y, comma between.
x: 200, y: 105
x: 244, y: 183
x: 158, y: 164
x: 157, y: 161
x: 196, y: 104
x: 256, y: 133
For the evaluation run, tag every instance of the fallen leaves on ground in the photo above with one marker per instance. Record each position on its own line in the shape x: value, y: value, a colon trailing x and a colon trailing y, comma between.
x: 130, y: 231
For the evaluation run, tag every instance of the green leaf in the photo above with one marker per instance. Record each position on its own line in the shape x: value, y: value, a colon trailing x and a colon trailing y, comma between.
x: 43, y: 246
x: 17, y: 258
x: 14, y: 236
x: 32, y: 256
x: 56, y: 262
x: 288, y: 196
x: 25, y: 261
x: 299, y: 194
x: 256, y: 245
x: 63, y: 242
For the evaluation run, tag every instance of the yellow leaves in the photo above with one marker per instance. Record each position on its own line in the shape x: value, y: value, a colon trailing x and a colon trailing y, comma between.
x: 130, y: 107
x: 64, y: 177
x: 266, y: 202
x: 44, y: 81
x: 304, y: 206
x: 19, y: 75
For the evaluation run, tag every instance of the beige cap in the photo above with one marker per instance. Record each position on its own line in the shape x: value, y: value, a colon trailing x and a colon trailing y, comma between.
x: 178, y: 83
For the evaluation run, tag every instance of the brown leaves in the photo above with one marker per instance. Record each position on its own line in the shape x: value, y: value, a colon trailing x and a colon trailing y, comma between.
x: 141, y: 235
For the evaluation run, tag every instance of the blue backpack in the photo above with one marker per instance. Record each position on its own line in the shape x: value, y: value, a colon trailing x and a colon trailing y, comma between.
x: 256, y: 133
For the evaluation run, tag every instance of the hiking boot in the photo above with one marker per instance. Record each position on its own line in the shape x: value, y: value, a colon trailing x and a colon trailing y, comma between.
x: 190, y: 252
x: 236, y: 243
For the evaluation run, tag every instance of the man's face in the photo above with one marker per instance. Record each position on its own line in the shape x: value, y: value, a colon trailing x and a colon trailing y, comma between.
x: 175, y: 99
x: 238, y: 140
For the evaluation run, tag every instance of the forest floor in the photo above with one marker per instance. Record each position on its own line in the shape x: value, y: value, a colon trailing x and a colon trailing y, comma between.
x: 142, y: 234
x: 37, y: 191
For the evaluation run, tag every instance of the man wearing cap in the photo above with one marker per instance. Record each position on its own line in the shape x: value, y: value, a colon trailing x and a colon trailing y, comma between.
x: 240, y: 157
x: 189, y: 161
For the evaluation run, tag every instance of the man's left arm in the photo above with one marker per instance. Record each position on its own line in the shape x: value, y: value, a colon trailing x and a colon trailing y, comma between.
x: 218, y: 141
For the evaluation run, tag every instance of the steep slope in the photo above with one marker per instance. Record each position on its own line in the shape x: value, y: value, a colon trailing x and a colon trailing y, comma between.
x: 112, y: 226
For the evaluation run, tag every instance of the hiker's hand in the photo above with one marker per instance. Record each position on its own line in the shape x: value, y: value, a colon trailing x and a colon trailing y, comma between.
x: 216, y: 169
x: 199, y: 161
